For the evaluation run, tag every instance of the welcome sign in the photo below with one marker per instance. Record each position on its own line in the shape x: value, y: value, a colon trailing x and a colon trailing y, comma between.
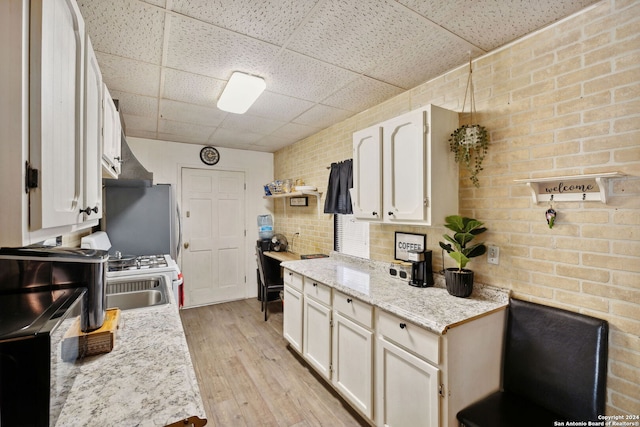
x: 577, y: 188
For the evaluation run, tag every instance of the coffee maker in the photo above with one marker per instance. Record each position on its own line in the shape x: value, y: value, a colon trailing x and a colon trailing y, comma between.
x: 421, y: 269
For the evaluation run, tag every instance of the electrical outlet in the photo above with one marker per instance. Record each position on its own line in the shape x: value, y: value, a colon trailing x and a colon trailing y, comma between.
x: 493, y: 255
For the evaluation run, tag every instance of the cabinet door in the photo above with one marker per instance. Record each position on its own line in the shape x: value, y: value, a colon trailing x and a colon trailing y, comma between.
x: 56, y: 98
x: 352, y: 363
x: 92, y: 136
x: 316, y: 343
x: 112, y: 131
x: 367, y: 174
x: 406, y: 388
x: 404, y: 157
x: 292, y: 321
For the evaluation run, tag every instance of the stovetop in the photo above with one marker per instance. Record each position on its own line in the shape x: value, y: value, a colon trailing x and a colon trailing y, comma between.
x: 138, y: 263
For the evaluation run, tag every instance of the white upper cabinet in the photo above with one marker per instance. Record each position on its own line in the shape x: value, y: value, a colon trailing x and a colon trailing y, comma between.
x: 92, y: 136
x: 50, y: 113
x: 403, y: 172
x: 367, y: 174
x: 112, y: 135
x: 56, y: 64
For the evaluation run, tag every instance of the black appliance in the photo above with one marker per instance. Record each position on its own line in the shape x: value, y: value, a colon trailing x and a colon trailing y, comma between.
x: 421, y: 269
x: 43, y: 293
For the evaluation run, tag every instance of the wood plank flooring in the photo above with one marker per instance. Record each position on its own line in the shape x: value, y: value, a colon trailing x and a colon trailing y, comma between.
x: 248, y: 376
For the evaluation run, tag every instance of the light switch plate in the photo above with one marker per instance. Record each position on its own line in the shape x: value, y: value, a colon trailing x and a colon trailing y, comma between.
x: 493, y: 255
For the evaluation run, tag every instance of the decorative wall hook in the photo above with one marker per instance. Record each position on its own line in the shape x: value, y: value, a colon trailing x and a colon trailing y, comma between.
x: 550, y: 214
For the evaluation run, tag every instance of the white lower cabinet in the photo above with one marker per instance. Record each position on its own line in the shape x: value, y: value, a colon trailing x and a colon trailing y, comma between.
x: 293, y: 309
x: 316, y: 342
x: 352, y: 357
x: 292, y: 324
x: 407, y: 385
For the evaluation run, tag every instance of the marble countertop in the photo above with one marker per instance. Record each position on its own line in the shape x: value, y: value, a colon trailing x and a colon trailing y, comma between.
x: 432, y: 308
x: 146, y: 380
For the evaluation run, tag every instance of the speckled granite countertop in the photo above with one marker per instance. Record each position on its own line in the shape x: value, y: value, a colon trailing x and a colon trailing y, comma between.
x: 432, y: 308
x: 146, y: 380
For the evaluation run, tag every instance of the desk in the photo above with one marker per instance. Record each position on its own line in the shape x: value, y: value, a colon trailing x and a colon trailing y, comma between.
x: 282, y: 256
x: 272, y: 269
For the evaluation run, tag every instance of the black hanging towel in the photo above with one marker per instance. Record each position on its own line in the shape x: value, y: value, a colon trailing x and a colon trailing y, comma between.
x: 338, y: 199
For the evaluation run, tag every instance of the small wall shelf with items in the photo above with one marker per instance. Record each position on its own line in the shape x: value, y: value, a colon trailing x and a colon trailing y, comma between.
x: 302, y: 193
x: 576, y: 188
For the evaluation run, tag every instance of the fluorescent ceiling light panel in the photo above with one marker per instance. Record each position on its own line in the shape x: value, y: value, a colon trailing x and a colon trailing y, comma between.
x: 241, y: 92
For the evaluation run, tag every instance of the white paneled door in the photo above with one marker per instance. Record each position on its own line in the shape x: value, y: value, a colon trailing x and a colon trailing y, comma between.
x: 213, y: 242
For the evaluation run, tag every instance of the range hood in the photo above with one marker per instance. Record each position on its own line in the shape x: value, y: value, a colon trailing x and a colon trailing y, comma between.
x: 132, y: 172
x: 131, y: 168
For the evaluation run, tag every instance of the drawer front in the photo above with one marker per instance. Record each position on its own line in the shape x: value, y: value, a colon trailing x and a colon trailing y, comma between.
x: 410, y: 336
x: 354, y: 309
x: 317, y: 290
x: 293, y: 279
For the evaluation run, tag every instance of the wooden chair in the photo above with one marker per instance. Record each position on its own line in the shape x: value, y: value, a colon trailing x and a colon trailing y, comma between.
x: 554, y: 369
x: 269, y: 283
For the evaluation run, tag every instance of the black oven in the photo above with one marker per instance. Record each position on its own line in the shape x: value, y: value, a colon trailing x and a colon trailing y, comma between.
x: 35, y: 378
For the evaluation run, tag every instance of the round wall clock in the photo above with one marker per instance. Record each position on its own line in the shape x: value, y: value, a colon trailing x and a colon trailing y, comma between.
x: 209, y: 156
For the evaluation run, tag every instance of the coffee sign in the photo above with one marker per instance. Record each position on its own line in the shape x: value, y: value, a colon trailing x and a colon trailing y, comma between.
x: 405, y: 242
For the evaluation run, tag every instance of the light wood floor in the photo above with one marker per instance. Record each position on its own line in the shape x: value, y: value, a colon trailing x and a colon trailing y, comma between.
x: 249, y: 377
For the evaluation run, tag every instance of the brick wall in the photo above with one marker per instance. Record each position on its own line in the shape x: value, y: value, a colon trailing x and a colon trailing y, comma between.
x: 563, y: 101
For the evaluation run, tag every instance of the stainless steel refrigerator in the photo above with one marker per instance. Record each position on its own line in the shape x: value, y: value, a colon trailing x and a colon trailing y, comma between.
x: 141, y: 220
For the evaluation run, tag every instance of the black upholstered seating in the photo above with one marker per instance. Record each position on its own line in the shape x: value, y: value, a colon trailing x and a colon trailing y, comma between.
x: 554, y: 369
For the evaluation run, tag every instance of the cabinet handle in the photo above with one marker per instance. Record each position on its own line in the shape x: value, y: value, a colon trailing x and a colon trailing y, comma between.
x: 349, y: 300
x: 88, y: 210
x: 374, y: 213
x: 315, y: 284
x: 390, y: 213
x: 403, y: 325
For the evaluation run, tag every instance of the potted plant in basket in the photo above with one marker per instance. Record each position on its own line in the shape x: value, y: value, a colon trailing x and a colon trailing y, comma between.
x: 459, y: 280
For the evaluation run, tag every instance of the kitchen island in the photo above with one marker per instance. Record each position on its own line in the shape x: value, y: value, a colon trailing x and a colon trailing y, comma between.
x: 398, y: 354
x: 146, y: 380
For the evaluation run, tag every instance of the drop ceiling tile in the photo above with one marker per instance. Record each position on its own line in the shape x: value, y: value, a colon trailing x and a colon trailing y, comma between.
x: 361, y: 94
x: 279, y: 107
x: 201, y: 48
x: 322, y: 116
x: 128, y: 75
x: 131, y: 29
x: 188, y: 130
x: 159, y: 3
x: 138, y: 124
x: 500, y: 22
x: 272, y: 21
x: 271, y: 143
x: 432, y: 53
x: 295, y: 132
x: 136, y: 105
x: 231, y: 138
x: 302, y: 77
x: 355, y: 34
x: 180, y: 137
x: 247, y: 123
x: 191, y: 88
x: 190, y: 113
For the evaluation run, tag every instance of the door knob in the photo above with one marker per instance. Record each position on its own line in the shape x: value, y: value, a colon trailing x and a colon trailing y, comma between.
x: 186, y: 245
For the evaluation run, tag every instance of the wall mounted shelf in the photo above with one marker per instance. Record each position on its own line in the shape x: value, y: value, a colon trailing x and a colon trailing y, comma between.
x: 287, y: 196
x: 574, y: 188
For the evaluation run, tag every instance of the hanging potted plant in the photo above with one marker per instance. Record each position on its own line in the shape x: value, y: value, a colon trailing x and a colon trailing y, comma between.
x: 470, y: 142
x: 459, y: 281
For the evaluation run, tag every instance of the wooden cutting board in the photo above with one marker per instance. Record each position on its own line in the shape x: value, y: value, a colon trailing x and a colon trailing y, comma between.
x: 77, y: 344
